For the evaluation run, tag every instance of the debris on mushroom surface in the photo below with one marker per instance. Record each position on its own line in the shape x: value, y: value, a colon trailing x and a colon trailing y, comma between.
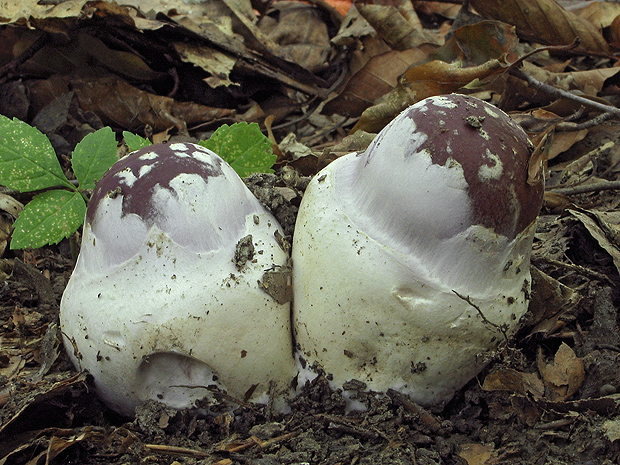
x: 411, y: 260
x: 165, y: 301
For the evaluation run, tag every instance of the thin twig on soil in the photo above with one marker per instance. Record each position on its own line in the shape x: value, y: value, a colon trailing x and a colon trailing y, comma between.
x: 499, y: 328
x: 562, y: 94
x: 582, y: 189
x: 582, y: 270
x: 568, y: 126
x: 181, y: 451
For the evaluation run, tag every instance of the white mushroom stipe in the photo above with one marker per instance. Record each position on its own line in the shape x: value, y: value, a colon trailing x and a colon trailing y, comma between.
x: 410, y: 257
x: 156, y: 308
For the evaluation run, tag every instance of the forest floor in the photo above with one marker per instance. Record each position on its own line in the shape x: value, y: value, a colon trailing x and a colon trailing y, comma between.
x: 551, y: 393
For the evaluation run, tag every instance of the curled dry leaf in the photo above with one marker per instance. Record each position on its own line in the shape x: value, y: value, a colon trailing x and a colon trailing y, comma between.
x: 544, y: 21
x: 604, y: 227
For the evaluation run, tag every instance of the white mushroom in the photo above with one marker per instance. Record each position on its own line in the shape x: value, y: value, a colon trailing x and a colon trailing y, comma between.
x: 156, y: 308
x: 411, y: 260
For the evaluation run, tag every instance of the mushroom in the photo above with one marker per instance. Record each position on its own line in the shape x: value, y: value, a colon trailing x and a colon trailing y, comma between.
x: 165, y: 301
x: 411, y: 260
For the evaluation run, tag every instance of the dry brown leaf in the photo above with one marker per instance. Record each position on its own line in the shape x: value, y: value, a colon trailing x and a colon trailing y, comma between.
x: 556, y: 203
x: 417, y: 83
x: 300, y: 33
x: 58, y: 443
x: 562, y: 141
x: 551, y: 304
x: 588, y: 82
x: 543, y: 21
x: 438, y: 77
x: 22, y: 11
x: 219, y: 65
x: 614, y: 31
x: 378, y: 77
x: 446, y: 10
x: 564, y: 375
x: 604, y: 227
x: 478, y: 454
x: 375, y: 118
x: 513, y: 381
x: 406, y: 9
x: 600, y: 14
x: 611, y: 430
x: 118, y: 103
x: 394, y: 28
x: 478, y: 43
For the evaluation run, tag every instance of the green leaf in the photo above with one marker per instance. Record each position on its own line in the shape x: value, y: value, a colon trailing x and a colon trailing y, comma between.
x: 48, y: 218
x: 93, y: 156
x: 244, y: 146
x: 135, y: 142
x: 27, y: 159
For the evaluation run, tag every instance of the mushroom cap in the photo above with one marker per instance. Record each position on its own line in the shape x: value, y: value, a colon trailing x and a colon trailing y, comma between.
x: 443, y: 165
x: 156, y: 307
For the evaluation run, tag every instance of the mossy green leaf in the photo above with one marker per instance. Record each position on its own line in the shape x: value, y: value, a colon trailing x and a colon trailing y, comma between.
x: 244, y: 146
x: 27, y: 159
x: 135, y: 142
x: 93, y: 156
x: 48, y: 218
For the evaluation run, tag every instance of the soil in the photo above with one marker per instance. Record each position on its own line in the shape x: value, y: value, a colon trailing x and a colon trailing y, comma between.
x: 549, y: 396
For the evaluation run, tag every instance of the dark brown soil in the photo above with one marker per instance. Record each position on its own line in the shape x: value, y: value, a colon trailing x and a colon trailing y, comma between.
x: 513, y: 413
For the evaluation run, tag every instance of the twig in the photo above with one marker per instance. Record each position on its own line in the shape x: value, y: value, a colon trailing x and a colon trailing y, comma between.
x: 426, y: 418
x: 594, y: 187
x: 545, y: 48
x: 10, y: 67
x: 607, y: 347
x: 559, y: 93
x: 499, y: 328
x: 567, y: 126
x: 581, y: 270
x: 174, y: 450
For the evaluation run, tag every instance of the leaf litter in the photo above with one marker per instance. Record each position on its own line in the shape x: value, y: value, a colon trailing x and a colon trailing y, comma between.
x: 177, y: 71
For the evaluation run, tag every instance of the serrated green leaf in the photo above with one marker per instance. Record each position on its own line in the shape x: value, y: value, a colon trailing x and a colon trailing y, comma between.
x: 27, y: 159
x: 93, y: 156
x: 244, y: 146
x: 135, y: 142
x: 48, y: 218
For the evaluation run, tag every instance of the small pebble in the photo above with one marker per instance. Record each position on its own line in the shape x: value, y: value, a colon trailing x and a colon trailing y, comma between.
x: 607, y: 390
